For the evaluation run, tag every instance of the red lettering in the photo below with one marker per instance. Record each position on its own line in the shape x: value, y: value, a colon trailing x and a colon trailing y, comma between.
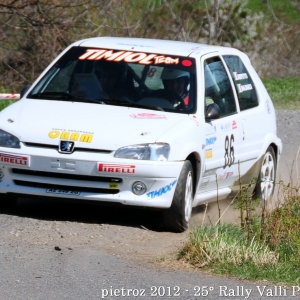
x: 147, y: 59
x: 135, y: 57
x: 121, y: 57
x: 109, y: 55
x: 88, y: 53
x: 94, y: 56
x: 115, y: 168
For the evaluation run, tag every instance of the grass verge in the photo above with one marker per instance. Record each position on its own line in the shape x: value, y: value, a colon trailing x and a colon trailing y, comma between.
x: 270, y: 252
x: 284, y: 92
x: 5, y: 103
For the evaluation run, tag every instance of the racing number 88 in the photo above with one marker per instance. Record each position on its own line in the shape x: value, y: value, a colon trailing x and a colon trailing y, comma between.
x: 229, y: 151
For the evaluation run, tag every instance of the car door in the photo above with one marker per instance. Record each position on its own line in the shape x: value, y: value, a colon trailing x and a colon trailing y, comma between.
x: 223, y: 135
x: 254, y: 116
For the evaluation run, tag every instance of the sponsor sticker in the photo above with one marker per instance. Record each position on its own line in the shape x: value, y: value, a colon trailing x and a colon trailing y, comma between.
x: 234, y: 125
x: 147, y: 116
x: 162, y: 190
x: 225, y: 175
x: 243, y: 88
x: 128, y: 56
x: 210, y: 141
x: 64, y: 192
x: 225, y: 127
x: 12, y: 159
x: 268, y: 108
x: 116, y: 168
x: 210, y: 129
x: 241, y: 76
x: 70, y: 135
x: 194, y: 119
x: 208, y: 153
x: 113, y: 185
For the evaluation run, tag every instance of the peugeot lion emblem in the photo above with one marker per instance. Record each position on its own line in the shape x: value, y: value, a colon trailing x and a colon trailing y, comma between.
x: 66, y: 147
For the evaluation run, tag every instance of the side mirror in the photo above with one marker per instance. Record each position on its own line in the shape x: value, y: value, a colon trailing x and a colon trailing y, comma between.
x: 24, y: 90
x: 212, y: 112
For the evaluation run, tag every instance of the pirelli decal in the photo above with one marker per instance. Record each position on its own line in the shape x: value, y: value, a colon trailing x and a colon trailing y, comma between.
x: 16, y: 160
x: 116, y: 168
x: 128, y: 56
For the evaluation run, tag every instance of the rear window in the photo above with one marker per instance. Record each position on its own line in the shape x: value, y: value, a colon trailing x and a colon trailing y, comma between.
x: 243, y: 83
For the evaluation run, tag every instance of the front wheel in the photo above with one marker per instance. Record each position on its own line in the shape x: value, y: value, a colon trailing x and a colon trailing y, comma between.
x: 177, y: 217
x: 265, y: 186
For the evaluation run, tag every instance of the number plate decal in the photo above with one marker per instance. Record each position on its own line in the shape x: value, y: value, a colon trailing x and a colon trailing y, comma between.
x: 64, y: 192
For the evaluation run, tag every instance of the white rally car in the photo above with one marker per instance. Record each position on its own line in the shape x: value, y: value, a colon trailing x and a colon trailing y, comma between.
x: 152, y: 123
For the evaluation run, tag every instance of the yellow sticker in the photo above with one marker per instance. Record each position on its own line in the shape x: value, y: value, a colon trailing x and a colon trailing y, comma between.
x: 71, y: 136
x: 208, y: 153
x: 113, y: 185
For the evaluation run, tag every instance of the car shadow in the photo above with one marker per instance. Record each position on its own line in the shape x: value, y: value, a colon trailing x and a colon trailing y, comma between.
x: 91, y: 212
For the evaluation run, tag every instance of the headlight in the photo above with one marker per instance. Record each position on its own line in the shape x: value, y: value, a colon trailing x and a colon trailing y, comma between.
x: 8, y: 140
x: 158, y: 152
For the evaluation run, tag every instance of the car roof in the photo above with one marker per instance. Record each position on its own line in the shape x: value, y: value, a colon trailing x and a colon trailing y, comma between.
x: 153, y: 46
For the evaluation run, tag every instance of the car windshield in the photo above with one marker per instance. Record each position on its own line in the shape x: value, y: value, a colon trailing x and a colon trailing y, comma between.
x: 123, y: 78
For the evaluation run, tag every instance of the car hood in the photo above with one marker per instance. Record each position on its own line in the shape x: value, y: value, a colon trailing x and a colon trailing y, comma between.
x: 90, y: 125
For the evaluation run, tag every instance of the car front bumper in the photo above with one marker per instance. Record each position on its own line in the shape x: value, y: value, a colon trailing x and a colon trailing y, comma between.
x: 87, y: 176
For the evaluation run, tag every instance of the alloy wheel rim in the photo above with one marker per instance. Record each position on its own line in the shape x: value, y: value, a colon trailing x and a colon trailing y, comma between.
x: 267, y: 176
x: 188, y: 197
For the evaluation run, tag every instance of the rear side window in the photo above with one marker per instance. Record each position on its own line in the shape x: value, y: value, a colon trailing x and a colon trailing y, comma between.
x: 243, y: 83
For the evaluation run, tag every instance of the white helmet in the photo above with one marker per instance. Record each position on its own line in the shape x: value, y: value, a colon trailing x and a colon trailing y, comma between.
x: 168, y: 74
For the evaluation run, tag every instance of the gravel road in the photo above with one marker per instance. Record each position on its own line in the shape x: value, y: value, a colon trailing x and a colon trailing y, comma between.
x: 54, y: 250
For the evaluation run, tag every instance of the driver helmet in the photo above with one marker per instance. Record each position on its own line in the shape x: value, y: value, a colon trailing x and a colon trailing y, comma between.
x: 168, y: 74
x: 171, y: 74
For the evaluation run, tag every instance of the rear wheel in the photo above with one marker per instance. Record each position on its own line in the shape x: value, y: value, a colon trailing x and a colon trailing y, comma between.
x: 177, y: 217
x: 265, y: 186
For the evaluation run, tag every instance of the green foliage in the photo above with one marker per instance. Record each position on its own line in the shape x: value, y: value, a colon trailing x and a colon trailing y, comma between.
x: 286, y: 11
x: 5, y: 103
x: 284, y: 91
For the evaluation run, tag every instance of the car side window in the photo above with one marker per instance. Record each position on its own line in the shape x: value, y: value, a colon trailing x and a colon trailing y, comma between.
x: 218, y: 88
x: 243, y: 83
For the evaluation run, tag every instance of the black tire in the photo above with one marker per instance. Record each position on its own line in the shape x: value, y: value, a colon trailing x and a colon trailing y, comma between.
x: 265, y: 185
x: 177, y: 217
x: 7, y: 201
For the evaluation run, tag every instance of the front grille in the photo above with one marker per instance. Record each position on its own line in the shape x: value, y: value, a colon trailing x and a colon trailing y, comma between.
x: 66, y: 176
x: 66, y: 187
x: 76, y: 149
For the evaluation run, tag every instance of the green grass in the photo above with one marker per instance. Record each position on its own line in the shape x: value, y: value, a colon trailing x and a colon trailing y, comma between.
x: 284, y: 92
x: 267, y: 250
x: 5, y: 103
x: 284, y: 10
